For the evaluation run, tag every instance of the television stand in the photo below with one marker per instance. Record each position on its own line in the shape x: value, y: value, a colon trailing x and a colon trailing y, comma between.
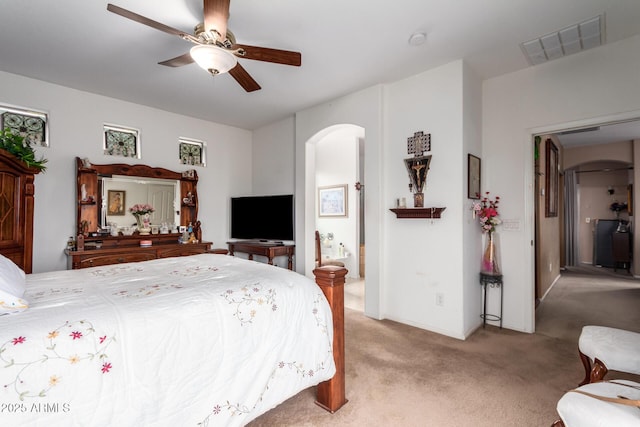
x: 262, y: 248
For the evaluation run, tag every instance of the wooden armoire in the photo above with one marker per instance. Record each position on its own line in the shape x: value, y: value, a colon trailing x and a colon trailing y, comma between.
x: 16, y: 210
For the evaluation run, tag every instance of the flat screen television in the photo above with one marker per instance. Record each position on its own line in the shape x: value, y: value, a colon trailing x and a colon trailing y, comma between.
x: 263, y: 217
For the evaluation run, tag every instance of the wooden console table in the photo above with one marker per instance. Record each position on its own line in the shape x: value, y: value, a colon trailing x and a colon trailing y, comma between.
x: 267, y: 249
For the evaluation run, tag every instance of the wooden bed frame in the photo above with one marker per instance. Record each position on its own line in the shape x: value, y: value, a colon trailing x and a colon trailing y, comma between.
x: 330, y: 394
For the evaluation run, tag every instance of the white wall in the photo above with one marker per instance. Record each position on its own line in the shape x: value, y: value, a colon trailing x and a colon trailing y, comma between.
x: 273, y: 153
x: 75, y: 123
x: 472, y: 237
x: 595, y: 86
x: 425, y: 257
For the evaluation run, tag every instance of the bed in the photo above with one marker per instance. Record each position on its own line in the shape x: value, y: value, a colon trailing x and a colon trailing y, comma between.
x: 201, y: 340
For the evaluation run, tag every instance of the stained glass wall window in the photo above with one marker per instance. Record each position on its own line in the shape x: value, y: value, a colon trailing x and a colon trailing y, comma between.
x: 121, y: 141
x: 32, y: 125
x: 191, y: 152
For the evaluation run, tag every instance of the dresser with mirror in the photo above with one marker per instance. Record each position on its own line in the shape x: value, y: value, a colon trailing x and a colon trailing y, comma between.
x: 108, y: 232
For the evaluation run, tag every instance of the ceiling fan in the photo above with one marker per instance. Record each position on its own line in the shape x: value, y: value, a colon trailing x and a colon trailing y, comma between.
x: 215, y: 47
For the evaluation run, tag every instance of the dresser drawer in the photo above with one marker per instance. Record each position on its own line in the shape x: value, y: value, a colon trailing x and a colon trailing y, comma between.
x: 98, y: 260
x: 184, y: 250
x: 118, y: 255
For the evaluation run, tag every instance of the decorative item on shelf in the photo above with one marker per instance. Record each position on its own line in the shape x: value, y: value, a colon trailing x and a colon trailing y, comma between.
x: 617, y: 207
x: 184, y: 238
x: 189, y: 199
x: 145, y: 243
x: 80, y: 242
x: 418, y: 166
x: 128, y: 231
x: 486, y: 210
x: 84, y: 228
x: 191, y: 173
x: 142, y: 214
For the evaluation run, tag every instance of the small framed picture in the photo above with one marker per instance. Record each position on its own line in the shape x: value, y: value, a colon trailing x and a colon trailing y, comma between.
x: 332, y: 201
x: 115, y: 202
x: 473, y: 171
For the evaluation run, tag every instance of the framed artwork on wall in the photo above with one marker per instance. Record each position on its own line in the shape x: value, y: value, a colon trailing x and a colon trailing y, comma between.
x: 551, y: 179
x: 473, y: 177
x: 115, y: 202
x: 121, y: 141
x: 332, y: 201
x: 33, y: 126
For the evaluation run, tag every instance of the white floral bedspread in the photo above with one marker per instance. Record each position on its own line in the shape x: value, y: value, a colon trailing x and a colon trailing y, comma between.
x: 208, y: 340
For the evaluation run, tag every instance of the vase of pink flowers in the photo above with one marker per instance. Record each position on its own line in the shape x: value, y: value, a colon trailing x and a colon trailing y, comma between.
x: 142, y: 213
x: 486, y: 210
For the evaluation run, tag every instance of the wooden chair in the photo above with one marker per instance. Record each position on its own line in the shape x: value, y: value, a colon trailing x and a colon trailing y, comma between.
x: 326, y: 261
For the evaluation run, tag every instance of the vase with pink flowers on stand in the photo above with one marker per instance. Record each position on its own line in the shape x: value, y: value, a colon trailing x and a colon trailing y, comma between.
x: 486, y: 210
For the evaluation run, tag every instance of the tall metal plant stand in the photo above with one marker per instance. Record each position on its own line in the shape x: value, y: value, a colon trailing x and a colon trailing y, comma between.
x: 493, y: 281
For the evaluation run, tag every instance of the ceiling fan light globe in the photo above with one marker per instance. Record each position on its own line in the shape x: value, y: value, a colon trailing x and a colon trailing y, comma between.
x: 213, y: 59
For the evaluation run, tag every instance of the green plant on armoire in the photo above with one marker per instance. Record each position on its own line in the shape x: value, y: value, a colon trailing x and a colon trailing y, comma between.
x: 16, y: 145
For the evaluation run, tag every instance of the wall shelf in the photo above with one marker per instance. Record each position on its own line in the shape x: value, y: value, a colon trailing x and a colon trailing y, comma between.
x: 418, y: 212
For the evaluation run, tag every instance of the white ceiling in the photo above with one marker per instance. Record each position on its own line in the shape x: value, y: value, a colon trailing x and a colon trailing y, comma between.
x: 346, y: 45
x: 603, y: 134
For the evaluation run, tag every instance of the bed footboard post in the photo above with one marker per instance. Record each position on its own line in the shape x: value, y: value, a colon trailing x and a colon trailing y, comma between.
x: 330, y: 394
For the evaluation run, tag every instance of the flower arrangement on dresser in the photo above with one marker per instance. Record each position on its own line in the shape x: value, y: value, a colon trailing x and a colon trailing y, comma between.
x: 141, y: 213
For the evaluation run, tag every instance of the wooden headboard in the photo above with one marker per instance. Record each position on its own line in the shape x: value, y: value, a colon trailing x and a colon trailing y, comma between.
x: 16, y: 210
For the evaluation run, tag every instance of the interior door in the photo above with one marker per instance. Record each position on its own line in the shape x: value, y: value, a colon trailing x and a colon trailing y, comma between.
x: 161, y: 197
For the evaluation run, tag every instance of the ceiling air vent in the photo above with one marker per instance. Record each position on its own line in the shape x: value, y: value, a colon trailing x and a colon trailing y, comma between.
x: 567, y: 41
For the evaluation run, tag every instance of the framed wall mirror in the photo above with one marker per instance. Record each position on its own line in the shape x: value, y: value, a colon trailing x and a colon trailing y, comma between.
x: 106, y: 192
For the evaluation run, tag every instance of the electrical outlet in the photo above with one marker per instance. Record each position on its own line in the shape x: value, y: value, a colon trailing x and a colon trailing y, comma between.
x: 440, y: 299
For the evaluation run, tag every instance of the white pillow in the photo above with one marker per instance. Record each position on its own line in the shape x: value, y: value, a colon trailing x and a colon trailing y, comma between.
x: 12, y: 278
x: 10, y: 304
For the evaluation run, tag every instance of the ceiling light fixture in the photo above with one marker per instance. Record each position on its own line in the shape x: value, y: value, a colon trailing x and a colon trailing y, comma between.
x: 573, y: 39
x: 417, y: 38
x: 213, y: 59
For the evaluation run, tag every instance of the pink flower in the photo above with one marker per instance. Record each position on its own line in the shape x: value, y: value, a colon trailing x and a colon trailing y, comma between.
x: 18, y: 340
x: 106, y: 367
x: 102, y: 339
x: 487, y: 212
x: 141, y: 209
x: 76, y: 335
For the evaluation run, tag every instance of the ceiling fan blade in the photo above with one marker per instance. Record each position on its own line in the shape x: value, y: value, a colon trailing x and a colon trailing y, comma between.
x: 216, y: 15
x: 277, y: 56
x: 178, y: 61
x: 148, y: 22
x: 245, y: 80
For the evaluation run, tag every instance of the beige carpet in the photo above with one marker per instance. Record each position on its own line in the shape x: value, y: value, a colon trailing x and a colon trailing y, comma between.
x: 398, y: 375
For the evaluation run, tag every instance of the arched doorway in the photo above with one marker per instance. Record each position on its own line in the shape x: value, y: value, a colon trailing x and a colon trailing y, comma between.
x: 335, y: 160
